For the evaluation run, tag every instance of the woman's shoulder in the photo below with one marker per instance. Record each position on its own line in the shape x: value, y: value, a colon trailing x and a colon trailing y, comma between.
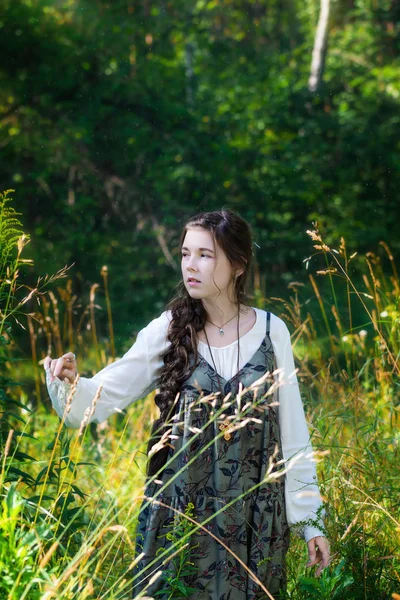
x: 159, y: 325
x: 278, y: 326
x: 153, y: 336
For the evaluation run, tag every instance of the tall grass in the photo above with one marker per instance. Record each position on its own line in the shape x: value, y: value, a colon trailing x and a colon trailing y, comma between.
x: 70, y: 499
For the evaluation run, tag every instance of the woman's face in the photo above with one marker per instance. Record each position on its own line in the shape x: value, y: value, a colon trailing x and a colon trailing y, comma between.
x: 206, y: 270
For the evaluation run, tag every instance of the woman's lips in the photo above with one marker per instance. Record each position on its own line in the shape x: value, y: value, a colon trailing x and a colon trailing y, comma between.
x: 193, y: 281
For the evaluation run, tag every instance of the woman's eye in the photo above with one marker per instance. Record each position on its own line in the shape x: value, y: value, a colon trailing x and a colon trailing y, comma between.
x: 202, y: 254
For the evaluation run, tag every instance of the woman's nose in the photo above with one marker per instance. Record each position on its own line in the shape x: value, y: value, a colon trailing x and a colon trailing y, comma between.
x: 192, y: 264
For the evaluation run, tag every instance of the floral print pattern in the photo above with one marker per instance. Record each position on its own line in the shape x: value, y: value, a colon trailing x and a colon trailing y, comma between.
x: 238, y: 479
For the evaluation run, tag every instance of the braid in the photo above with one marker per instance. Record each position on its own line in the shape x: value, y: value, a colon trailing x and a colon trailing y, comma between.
x: 233, y: 236
x: 188, y: 317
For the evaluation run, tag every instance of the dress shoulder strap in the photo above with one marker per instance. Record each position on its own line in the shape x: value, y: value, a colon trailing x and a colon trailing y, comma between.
x: 268, y: 321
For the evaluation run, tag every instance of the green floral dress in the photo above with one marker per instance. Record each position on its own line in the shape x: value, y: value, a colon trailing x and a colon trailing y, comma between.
x: 230, y: 471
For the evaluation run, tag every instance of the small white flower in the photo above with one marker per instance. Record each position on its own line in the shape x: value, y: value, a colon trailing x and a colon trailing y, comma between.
x: 384, y: 313
x: 362, y: 333
x: 345, y: 338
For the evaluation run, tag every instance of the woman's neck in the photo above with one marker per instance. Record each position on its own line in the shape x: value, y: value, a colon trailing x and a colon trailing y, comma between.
x: 221, y: 311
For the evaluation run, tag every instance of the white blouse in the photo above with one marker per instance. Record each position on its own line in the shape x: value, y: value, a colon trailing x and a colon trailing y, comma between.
x: 135, y: 374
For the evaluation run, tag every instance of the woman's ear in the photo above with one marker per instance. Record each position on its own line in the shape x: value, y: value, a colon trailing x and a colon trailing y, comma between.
x: 240, y: 272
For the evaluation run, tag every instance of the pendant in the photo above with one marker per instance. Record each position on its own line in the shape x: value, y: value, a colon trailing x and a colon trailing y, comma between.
x: 225, y: 425
x: 221, y: 332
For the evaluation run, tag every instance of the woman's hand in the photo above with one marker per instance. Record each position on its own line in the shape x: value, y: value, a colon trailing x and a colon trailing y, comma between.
x: 318, y: 552
x: 64, y: 367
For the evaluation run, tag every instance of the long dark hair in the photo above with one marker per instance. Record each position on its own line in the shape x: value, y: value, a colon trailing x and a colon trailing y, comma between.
x: 233, y: 235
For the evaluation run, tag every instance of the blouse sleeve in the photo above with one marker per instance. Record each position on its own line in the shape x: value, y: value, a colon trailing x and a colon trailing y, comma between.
x: 302, y: 494
x: 131, y: 377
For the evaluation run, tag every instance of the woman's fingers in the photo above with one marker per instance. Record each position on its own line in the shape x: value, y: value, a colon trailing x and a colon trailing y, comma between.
x: 68, y: 375
x: 52, y: 367
x: 69, y: 370
x: 318, y: 552
x: 325, y: 555
x: 63, y: 367
x: 313, y: 559
x: 58, y: 366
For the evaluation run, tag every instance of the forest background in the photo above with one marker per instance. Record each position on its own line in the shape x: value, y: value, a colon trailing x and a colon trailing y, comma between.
x: 121, y: 119
x: 118, y: 120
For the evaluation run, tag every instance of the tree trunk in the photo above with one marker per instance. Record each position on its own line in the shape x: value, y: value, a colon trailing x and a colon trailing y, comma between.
x: 320, y: 43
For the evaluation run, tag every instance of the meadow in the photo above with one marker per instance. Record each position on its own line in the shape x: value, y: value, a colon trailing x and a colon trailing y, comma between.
x: 70, y: 498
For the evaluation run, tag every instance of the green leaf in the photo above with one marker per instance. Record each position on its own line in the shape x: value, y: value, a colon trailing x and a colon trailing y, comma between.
x: 14, y: 473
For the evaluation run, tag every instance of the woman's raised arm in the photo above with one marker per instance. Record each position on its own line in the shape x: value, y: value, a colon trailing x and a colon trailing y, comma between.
x: 123, y: 381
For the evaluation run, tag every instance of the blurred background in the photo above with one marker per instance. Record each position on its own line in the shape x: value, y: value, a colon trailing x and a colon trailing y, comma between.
x: 118, y: 120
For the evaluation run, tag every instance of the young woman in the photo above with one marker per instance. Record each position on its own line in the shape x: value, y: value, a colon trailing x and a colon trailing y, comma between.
x: 232, y: 417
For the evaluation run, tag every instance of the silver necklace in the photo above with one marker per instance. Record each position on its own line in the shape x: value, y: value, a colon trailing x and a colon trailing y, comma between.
x: 224, y: 426
x: 221, y: 329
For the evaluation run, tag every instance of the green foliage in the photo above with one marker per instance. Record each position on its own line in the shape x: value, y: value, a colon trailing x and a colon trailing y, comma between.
x: 19, y: 547
x: 10, y: 233
x: 180, y: 568
x: 29, y: 524
x: 333, y: 584
x: 165, y: 110
x: 64, y: 527
x: 12, y: 241
x: 7, y: 404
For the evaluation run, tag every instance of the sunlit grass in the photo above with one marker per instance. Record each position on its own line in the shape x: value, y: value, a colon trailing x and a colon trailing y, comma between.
x: 83, y: 516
